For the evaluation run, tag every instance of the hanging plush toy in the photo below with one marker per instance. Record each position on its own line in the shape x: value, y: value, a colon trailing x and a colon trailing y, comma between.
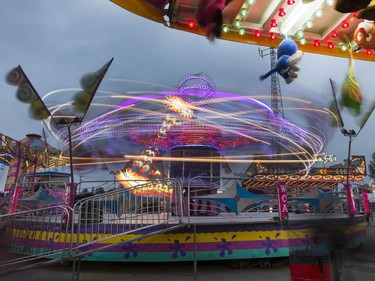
x: 364, y: 36
x: 212, y: 14
x: 288, y: 57
x: 350, y: 90
x: 365, y: 8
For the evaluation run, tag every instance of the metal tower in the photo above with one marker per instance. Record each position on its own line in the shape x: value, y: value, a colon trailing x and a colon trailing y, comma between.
x: 276, y: 100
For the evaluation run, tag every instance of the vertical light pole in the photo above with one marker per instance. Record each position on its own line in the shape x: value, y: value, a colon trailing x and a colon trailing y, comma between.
x: 71, y: 167
x: 349, y: 194
x: 82, y: 100
x: 65, y: 122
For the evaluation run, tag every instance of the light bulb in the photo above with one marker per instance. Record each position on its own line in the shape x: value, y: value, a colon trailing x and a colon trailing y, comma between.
x: 244, y: 13
x: 309, y: 24
x: 319, y: 13
x: 237, y: 23
x: 300, y: 34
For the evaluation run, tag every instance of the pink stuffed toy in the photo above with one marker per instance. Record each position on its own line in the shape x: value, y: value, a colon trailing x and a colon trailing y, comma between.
x: 209, y: 15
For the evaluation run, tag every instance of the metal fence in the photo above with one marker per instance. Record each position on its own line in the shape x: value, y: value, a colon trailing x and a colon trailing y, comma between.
x: 126, y: 210
x: 33, y: 237
x: 53, y: 234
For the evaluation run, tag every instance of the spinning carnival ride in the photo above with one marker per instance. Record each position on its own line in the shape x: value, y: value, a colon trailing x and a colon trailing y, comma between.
x: 318, y: 26
x: 172, y: 150
x: 150, y: 127
x: 179, y: 145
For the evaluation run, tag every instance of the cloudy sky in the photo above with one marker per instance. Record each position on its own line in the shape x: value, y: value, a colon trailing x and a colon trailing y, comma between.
x: 56, y: 42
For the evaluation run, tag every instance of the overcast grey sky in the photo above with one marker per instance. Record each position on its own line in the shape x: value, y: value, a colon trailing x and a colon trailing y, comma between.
x: 56, y: 42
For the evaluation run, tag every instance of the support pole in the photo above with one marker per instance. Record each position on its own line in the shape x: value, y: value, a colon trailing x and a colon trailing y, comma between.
x: 71, y: 156
x: 349, y: 193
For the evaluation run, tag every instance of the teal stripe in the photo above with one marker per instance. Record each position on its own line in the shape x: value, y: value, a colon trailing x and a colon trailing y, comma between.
x: 189, y: 256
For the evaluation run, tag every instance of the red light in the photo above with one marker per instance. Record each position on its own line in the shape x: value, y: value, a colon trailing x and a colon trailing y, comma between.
x: 273, y: 36
x: 258, y: 34
x: 335, y: 34
x: 290, y: 2
x: 345, y: 24
x: 191, y: 23
x: 316, y: 43
x: 273, y: 23
x: 282, y: 12
x: 330, y: 45
x: 355, y: 14
x: 369, y: 52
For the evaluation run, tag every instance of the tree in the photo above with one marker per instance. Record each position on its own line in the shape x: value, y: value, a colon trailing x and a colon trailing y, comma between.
x: 371, y: 166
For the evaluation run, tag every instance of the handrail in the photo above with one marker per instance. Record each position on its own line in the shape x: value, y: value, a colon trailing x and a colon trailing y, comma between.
x: 4, y: 201
x: 28, y: 228
x: 137, y: 212
x: 47, y: 221
x: 44, y: 184
x: 206, y: 186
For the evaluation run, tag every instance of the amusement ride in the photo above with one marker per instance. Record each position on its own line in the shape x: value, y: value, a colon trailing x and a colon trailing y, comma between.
x: 174, y: 196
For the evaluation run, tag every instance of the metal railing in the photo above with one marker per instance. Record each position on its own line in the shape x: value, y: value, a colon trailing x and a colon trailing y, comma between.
x: 142, y: 210
x: 29, y: 188
x: 199, y: 200
x: 126, y: 210
x: 30, y: 237
x: 40, y: 236
x: 4, y: 203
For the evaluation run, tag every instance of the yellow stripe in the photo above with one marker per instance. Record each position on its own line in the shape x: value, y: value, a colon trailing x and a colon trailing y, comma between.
x: 167, y: 238
x: 141, y: 8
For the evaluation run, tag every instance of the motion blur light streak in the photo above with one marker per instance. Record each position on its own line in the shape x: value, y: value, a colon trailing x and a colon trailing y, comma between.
x: 232, y: 124
x: 218, y: 160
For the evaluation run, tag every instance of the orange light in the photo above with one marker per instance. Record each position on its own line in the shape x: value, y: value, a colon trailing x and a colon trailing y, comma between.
x: 345, y: 24
x: 330, y: 45
x: 273, y: 36
x: 258, y: 34
x: 282, y: 12
x: 273, y: 23
x: 316, y: 43
x: 191, y: 23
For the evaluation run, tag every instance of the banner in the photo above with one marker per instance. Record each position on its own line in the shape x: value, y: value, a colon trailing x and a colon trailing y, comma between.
x: 26, y: 93
x: 90, y: 84
x: 283, y: 199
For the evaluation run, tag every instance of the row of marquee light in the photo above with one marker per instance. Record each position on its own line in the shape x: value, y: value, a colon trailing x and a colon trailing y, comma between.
x: 300, y: 34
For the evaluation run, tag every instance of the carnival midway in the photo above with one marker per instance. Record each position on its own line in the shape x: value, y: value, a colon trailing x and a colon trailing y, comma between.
x: 177, y: 196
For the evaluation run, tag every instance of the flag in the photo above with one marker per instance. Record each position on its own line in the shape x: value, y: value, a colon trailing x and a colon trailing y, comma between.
x: 334, y: 107
x: 366, y: 116
x: 90, y: 84
x: 26, y: 93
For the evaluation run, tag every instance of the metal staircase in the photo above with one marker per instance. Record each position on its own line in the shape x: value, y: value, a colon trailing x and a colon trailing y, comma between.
x: 57, y: 234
